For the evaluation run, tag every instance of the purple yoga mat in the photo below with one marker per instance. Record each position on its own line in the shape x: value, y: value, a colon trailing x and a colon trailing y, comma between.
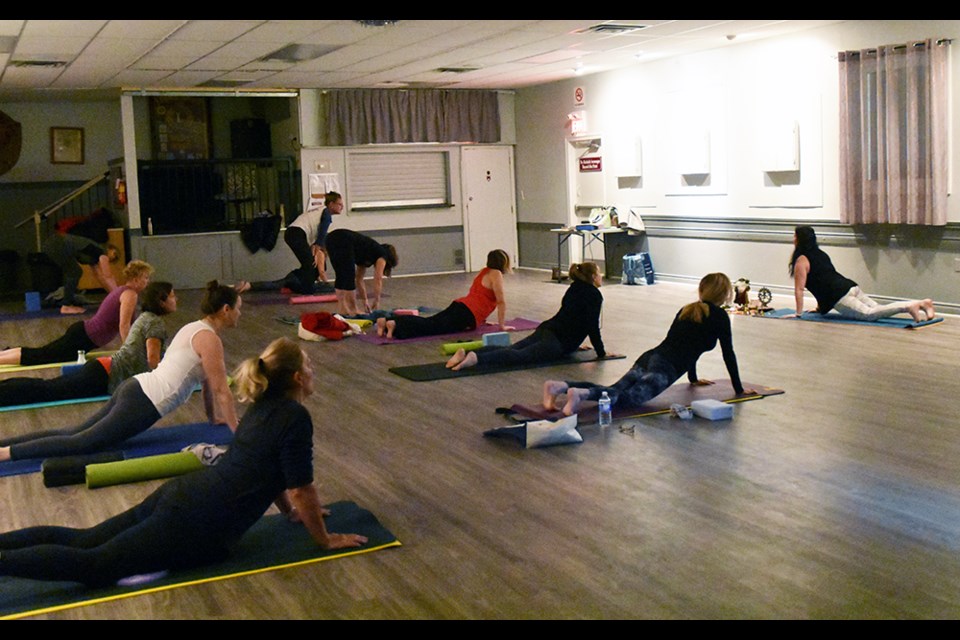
x: 680, y: 393
x: 520, y: 324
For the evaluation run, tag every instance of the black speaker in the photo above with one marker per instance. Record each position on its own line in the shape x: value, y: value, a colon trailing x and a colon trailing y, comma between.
x: 250, y: 138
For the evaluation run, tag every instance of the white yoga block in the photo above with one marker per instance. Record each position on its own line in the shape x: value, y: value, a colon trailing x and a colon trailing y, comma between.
x: 712, y: 409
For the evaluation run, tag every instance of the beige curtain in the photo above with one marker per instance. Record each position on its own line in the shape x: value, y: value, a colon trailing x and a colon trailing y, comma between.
x: 893, y: 134
x: 380, y: 116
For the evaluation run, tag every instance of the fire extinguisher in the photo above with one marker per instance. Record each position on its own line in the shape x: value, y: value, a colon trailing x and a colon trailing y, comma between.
x: 121, y: 192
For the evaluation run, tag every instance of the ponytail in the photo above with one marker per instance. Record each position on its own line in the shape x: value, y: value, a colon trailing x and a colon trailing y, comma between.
x: 270, y: 374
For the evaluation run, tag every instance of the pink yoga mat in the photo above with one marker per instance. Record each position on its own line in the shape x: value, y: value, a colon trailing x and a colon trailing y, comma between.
x: 326, y: 297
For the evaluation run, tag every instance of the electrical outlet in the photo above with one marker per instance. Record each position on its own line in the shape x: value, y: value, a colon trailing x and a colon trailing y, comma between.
x: 322, y: 166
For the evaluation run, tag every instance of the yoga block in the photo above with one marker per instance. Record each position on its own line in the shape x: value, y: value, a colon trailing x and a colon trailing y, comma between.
x: 450, y: 348
x: 498, y: 339
x: 32, y: 300
x: 406, y: 312
x: 67, y: 369
x: 712, y: 409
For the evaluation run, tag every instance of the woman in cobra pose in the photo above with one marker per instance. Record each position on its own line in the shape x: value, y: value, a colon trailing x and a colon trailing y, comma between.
x: 101, y: 376
x: 577, y: 319
x: 195, y: 356
x: 463, y: 314
x: 696, y: 329
x: 114, y: 316
x: 197, y: 518
x: 812, y: 269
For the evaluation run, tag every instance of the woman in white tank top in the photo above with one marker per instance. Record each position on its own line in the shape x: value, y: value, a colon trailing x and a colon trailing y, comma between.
x: 195, y: 356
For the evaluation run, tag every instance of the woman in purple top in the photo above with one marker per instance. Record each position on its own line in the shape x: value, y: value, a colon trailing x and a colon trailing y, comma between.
x: 113, y: 317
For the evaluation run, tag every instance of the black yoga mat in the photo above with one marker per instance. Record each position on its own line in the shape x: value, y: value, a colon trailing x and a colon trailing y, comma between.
x: 439, y: 371
x: 680, y: 393
x: 272, y: 543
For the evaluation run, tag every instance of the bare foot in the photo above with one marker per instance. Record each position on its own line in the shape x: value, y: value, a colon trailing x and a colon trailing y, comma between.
x: 381, y: 326
x: 71, y: 310
x: 469, y: 360
x: 391, y: 325
x: 914, y: 309
x: 551, y: 389
x: 456, y: 358
x: 242, y: 286
x: 574, y: 398
x: 928, y: 310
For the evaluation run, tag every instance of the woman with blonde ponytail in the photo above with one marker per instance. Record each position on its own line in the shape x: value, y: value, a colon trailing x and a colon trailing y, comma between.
x: 197, y: 518
x: 561, y: 335
x: 696, y: 329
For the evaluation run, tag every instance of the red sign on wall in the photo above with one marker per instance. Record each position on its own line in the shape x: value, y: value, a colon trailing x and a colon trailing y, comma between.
x: 591, y: 164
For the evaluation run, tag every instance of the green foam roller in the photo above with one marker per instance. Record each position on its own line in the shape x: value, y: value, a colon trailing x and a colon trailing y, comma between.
x: 450, y: 348
x: 138, y: 469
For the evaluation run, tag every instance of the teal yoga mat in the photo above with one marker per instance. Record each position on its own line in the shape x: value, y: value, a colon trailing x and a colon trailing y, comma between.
x: 272, y: 543
x: 833, y: 316
x: 54, y: 403
x: 439, y: 371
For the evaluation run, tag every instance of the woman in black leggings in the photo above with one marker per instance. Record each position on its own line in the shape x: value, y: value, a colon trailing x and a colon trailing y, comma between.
x: 696, y: 329
x: 196, y: 519
x: 351, y: 253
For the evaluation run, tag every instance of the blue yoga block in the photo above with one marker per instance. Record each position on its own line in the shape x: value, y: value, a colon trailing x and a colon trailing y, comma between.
x: 32, y: 300
x: 67, y: 369
x: 498, y: 339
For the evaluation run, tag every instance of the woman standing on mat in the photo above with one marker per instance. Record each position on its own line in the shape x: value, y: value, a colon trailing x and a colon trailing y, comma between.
x: 463, y: 314
x: 114, y: 316
x: 577, y: 319
x: 307, y: 236
x: 101, y: 376
x: 696, y: 329
x: 195, y: 356
x: 196, y: 519
x: 812, y: 269
x: 351, y: 253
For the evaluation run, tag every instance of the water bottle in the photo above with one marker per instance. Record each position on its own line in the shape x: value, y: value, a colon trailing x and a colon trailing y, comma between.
x: 81, y: 357
x: 606, y: 413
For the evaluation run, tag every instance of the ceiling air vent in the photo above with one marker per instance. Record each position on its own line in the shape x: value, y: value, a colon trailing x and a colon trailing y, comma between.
x: 614, y: 27
x: 39, y: 63
x: 455, y: 69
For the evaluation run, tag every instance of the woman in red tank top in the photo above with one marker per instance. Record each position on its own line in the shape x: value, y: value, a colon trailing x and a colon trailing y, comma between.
x: 463, y: 314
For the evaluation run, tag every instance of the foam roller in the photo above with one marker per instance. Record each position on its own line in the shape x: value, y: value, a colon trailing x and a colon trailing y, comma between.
x: 165, y: 465
x: 450, y: 348
x: 61, y: 472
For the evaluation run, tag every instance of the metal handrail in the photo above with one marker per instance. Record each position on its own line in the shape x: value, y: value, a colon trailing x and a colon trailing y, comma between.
x: 42, y: 214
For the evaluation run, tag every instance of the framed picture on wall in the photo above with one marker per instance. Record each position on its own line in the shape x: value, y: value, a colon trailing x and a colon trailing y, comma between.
x: 66, y: 145
x: 180, y: 127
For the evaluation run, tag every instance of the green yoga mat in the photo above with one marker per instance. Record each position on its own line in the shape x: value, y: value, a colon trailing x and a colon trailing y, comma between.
x: 439, y: 371
x: 16, y: 368
x: 165, y: 465
x: 272, y: 543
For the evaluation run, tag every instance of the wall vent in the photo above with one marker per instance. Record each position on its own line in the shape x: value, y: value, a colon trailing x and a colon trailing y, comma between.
x: 614, y: 27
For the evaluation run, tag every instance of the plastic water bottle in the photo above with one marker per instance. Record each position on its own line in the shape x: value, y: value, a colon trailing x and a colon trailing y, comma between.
x: 81, y: 357
x: 606, y: 412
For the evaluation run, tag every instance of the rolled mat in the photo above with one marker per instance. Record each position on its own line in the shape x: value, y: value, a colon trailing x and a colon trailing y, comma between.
x: 451, y: 348
x: 61, y: 472
x: 150, y: 468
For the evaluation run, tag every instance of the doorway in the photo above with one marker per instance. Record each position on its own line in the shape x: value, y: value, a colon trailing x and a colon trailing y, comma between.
x: 490, y: 218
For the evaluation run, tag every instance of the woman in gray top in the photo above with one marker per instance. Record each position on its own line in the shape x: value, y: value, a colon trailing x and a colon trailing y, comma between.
x: 101, y: 376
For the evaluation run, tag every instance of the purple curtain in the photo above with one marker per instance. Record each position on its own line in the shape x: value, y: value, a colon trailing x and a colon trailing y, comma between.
x: 893, y: 134
x: 378, y: 116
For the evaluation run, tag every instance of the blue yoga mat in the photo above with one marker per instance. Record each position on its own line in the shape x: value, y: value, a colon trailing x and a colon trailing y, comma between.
x: 151, y: 442
x: 833, y: 316
x: 272, y: 543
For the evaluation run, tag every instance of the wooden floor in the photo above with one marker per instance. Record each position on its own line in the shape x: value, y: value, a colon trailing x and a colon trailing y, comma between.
x: 836, y: 500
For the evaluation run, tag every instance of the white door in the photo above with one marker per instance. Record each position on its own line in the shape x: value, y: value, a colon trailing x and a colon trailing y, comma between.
x: 490, y: 218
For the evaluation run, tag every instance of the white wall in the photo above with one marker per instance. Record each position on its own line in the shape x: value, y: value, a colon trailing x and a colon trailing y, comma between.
x: 729, y: 91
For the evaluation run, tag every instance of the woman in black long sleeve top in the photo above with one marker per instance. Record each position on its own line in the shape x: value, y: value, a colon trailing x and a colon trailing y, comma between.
x: 696, y: 329
x: 577, y: 319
